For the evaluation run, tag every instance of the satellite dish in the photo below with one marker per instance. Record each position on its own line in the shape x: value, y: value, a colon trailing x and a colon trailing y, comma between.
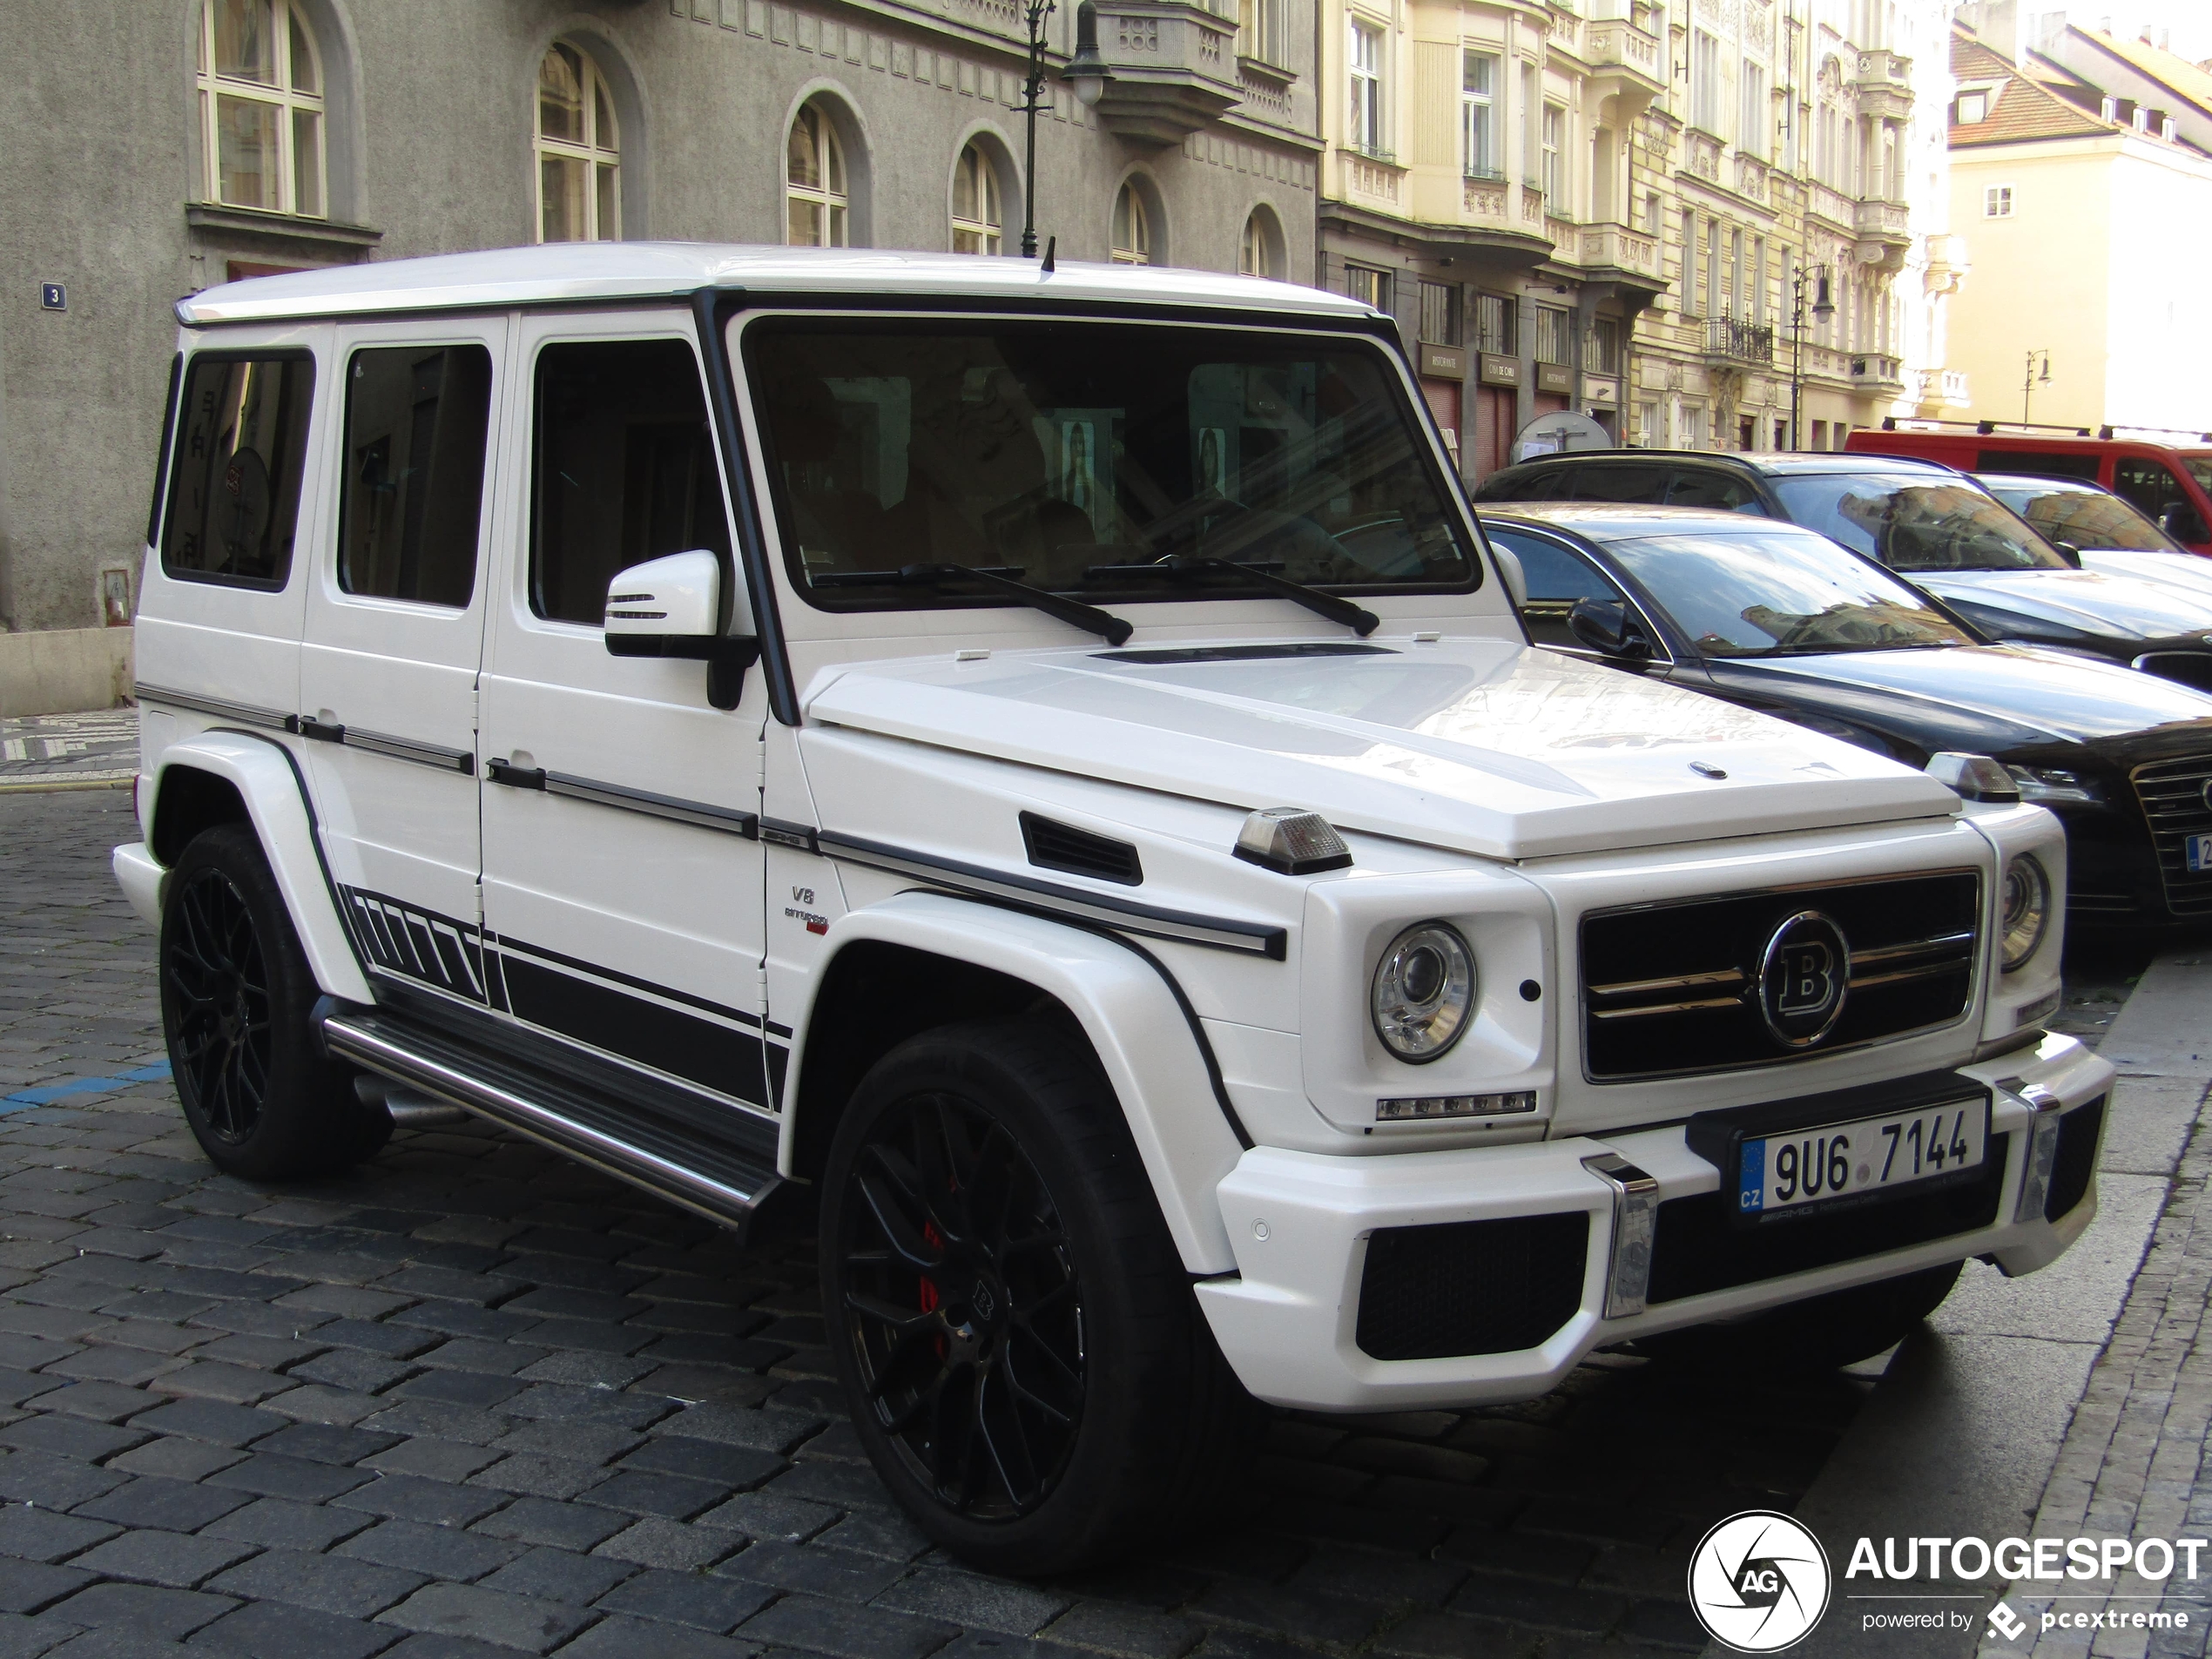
x: 1550, y: 434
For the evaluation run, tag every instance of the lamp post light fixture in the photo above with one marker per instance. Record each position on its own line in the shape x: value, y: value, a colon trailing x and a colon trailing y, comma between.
x: 1807, y: 282
x: 2029, y: 380
x: 1086, y: 72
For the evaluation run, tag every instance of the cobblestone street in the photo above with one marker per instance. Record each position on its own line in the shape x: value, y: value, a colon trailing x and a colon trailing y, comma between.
x: 474, y: 1401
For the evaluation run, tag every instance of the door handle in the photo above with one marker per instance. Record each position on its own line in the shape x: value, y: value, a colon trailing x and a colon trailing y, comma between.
x: 514, y: 777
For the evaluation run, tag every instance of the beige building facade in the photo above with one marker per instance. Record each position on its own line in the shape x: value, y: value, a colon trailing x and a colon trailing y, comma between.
x: 1707, y: 224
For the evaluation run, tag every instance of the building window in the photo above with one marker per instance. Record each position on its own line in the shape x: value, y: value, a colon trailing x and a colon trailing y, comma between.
x: 1365, y: 282
x: 1366, y: 110
x: 1601, y: 351
x: 1478, y: 157
x: 1693, y: 426
x: 1528, y: 125
x: 1647, y: 426
x: 260, y: 107
x: 1260, y: 252
x: 978, y: 224
x: 1997, y: 202
x: 1132, y: 228
x: 1973, y: 108
x: 579, y: 171
x: 819, y: 210
x: 1751, y: 136
x: 1439, y: 313
x: 1494, y: 323
x: 1259, y: 29
x: 1554, y: 181
x: 1705, y: 82
x: 1552, y: 333
x: 1653, y: 212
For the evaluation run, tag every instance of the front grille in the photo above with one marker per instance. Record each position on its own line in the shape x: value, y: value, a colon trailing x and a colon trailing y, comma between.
x: 2189, y: 667
x: 1698, y: 1247
x: 2175, y: 800
x: 1467, y: 1287
x: 2075, y: 1162
x: 1054, y: 846
x: 1673, y: 986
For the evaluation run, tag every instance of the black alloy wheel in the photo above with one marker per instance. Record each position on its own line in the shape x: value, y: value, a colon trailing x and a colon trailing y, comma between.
x: 219, y: 983
x: 963, y: 1306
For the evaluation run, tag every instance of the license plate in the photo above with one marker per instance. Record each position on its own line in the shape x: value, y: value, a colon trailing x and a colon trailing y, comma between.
x: 1867, y: 1157
x: 2196, y: 851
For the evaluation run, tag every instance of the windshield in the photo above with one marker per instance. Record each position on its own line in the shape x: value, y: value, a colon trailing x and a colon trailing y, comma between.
x: 1767, y: 593
x: 1913, y: 521
x: 2084, y: 518
x: 1078, y: 456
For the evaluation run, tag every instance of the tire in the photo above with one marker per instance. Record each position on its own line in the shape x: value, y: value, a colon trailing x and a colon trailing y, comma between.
x: 237, y: 998
x: 1014, y: 1329
x: 1808, y: 1338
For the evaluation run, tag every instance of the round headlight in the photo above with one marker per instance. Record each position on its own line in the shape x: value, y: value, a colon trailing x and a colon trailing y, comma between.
x: 1424, y: 991
x: 2026, y: 909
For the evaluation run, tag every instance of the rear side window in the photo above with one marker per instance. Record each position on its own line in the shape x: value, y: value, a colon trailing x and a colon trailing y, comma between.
x: 2146, y: 484
x: 234, y: 482
x: 1624, y: 481
x: 1725, y: 492
x: 2038, y: 463
x: 416, y: 420
x: 623, y: 470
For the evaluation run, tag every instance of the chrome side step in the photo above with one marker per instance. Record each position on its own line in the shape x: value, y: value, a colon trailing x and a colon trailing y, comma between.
x: 719, y: 1178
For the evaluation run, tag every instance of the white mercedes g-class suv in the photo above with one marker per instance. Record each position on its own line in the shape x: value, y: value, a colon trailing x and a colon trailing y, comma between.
x: 1036, y: 771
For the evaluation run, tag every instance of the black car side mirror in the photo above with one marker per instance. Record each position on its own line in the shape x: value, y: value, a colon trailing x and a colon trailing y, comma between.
x: 1603, y: 625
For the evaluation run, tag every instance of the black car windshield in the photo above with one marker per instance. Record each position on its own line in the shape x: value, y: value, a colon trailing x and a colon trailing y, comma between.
x: 1915, y: 520
x: 2082, y: 518
x: 1076, y: 455
x: 1773, y: 592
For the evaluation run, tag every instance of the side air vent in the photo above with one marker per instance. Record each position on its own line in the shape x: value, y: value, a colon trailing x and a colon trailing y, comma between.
x: 1062, y: 847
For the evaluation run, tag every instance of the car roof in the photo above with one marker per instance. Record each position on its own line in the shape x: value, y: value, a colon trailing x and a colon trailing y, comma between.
x: 1608, y: 520
x: 1781, y: 461
x: 594, y: 273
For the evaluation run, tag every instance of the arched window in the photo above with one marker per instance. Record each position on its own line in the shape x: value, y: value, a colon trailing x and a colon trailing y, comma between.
x: 977, y: 223
x: 1261, y: 253
x: 814, y: 182
x: 1132, y: 228
x: 579, y: 151
x: 260, y: 107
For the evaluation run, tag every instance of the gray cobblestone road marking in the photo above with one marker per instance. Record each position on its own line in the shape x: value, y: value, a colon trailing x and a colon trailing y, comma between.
x: 474, y: 1401
x: 69, y: 750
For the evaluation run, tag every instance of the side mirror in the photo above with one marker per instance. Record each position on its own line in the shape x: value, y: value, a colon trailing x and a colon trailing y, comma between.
x: 671, y: 607
x: 1516, y: 579
x: 1603, y: 625
x: 2068, y: 550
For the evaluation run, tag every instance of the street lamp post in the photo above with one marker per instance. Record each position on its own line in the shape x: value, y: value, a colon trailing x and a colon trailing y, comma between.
x: 1086, y: 72
x: 2028, y: 380
x: 1806, y: 279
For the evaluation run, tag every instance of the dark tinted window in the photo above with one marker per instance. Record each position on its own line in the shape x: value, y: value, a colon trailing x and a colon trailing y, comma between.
x: 415, y: 417
x: 623, y: 470
x: 2147, y: 483
x: 2039, y: 464
x: 1540, y: 485
x: 1551, y: 572
x: 235, y: 487
x: 1709, y: 487
x: 1620, y: 480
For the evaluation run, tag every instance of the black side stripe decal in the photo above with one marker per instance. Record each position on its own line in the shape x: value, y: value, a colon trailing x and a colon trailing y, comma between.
x: 512, y: 949
x: 650, y: 1034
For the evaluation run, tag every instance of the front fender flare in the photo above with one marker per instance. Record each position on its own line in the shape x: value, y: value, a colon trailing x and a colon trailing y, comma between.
x: 1136, y: 1025
x: 269, y: 783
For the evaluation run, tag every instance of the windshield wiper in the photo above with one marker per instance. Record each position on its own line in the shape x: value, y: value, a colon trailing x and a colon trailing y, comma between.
x: 1108, y: 626
x: 1360, y: 621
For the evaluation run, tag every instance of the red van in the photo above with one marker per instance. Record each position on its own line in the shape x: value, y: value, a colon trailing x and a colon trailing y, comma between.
x: 2171, y: 483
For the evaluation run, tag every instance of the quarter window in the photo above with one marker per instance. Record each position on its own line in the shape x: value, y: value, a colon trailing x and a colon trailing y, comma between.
x: 579, y: 161
x: 1132, y: 228
x: 818, y: 207
x: 261, y: 107
x: 625, y: 470
x: 408, y: 509
x: 234, y: 484
x: 977, y: 221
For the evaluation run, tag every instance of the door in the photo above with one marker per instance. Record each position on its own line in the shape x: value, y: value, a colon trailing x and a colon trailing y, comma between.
x: 622, y: 877
x: 393, y: 639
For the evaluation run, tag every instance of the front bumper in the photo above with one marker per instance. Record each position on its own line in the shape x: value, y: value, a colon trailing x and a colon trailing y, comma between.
x: 1301, y: 1225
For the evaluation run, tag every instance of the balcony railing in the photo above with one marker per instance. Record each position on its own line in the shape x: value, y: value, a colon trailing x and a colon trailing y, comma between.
x: 1619, y: 44
x: 1617, y: 247
x: 1372, y: 152
x: 1955, y: 394
x: 1876, y: 369
x: 1890, y: 221
x: 1729, y: 341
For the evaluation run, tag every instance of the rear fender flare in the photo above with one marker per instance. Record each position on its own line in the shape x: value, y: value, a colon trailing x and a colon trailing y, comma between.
x: 268, y: 781
x: 1136, y: 1023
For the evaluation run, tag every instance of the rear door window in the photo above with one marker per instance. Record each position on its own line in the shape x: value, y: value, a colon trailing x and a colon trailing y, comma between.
x: 1711, y: 487
x: 416, y: 421
x: 2148, y: 484
x: 234, y: 480
x: 1627, y: 480
x: 2038, y: 463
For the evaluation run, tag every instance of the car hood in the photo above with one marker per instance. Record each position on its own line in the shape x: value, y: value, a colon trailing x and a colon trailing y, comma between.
x: 1485, y: 747
x: 2187, y: 573
x: 2116, y: 606
x: 1998, y: 689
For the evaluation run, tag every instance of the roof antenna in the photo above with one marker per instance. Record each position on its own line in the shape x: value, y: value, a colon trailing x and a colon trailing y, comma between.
x: 1051, y: 243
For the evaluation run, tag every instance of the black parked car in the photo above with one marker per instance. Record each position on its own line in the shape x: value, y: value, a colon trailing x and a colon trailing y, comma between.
x: 2102, y: 531
x: 1775, y: 618
x: 1934, y: 526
